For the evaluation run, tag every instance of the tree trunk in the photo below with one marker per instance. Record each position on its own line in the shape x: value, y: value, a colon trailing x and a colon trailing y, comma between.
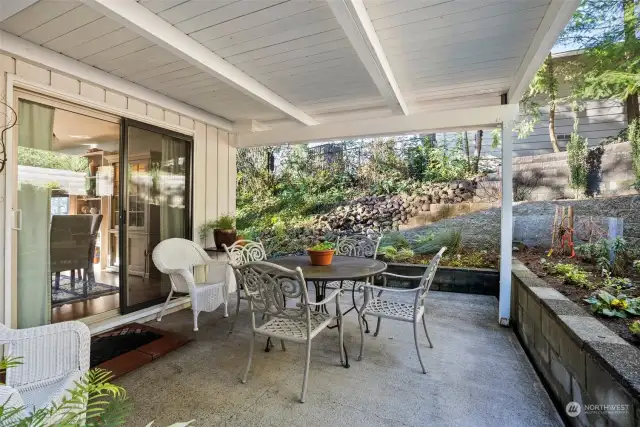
x: 552, y: 127
x: 477, y: 151
x: 630, y: 31
x: 467, y: 152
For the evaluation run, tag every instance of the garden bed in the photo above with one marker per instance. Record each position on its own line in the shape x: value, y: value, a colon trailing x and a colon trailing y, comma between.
x: 531, y: 257
x: 484, y: 281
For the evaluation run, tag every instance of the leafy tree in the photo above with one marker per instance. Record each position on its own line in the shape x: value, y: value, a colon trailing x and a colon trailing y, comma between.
x: 543, y: 89
x: 607, y: 30
x: 577, y: 150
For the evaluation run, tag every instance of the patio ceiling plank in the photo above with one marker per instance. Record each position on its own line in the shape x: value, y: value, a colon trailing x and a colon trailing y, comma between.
x: 150, y: 26
x: 555, y: 19
x: 353, y: 18
x: 11, y: 8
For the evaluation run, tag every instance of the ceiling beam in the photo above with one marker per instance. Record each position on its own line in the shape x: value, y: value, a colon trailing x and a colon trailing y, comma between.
x: 46, y: 58
x: 354, y: 19
x: 141, y: 20
x: 555, y: 19
x: 430, y: 121
x: 10, y: 8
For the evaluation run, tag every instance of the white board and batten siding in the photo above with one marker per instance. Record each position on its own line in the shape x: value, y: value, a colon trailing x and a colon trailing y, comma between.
x: 214, y: 165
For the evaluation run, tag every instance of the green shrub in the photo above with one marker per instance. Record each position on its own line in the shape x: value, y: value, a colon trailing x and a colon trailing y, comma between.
x: 449, y: 238
x: 577, y: 150
x: 396, y: 239
x: 477, y: 259
x: 599, y: 253
x: 633, y: 134
x: 614, y: 306
x: 572, y: 274
x: 51, y: 160
x: 392, y: 254
x: 634, y: 327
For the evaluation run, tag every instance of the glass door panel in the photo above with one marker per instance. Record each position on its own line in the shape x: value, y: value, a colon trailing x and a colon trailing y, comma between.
x: 158, y: 206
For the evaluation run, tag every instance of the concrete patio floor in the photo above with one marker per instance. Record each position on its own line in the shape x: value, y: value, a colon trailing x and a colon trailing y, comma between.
x: 477, y: 375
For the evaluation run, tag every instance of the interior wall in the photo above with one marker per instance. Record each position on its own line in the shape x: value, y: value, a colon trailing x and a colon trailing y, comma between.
x: 214, y: 169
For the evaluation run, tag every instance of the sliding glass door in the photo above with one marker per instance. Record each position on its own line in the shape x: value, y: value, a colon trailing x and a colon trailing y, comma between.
x: 154, y: 204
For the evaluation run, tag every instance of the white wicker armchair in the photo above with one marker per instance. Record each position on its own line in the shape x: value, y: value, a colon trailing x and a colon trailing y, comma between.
x: 176, y: 258
x: 389, y: 309
x: 241, y: 252
x: 52, y: 356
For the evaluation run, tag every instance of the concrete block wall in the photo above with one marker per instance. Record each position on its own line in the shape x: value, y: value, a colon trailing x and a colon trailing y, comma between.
x: 577, y: 356
x: 550, y: 172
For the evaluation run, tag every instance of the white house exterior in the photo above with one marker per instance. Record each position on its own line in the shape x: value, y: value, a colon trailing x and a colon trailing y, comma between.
x: 250, y: 73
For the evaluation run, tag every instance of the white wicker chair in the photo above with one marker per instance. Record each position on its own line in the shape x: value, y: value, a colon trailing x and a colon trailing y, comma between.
x: 241, y: 252
x: 384, y: 308
x: 177, y: 257
x: 53, y: 357
x: 268, y: 287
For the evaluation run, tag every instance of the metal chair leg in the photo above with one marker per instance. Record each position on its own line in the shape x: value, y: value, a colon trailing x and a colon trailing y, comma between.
x: 415, y: 337
x: 235, y: 319
x: 341, y: 335
x: 251, y: 347
x: 361, y: 336
x: 306, y: 372
x: 424, y: 323
x: 375, y: 334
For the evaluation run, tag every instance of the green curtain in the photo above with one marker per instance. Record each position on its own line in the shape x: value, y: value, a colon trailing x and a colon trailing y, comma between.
x: 34, y: 278
x: 172, y: 178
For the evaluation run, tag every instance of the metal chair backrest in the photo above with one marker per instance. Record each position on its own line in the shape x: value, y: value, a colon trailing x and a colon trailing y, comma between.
x: 244, y: 251
x: 358, y: 245
x: 269, y: 286
x: 429, y: 274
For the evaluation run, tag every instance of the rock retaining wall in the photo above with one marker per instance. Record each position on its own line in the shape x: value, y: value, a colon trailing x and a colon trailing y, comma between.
x: 384, y: 213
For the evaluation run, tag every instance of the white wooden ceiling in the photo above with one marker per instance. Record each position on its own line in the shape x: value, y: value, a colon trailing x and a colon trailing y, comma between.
x: 443, y: 53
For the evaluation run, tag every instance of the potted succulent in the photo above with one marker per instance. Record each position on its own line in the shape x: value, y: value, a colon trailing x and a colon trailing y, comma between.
x: 321, y: 253
x: 224, y: 231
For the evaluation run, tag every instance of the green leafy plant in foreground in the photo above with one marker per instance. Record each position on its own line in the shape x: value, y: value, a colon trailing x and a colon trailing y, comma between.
x: 608, y: 305
x: 634, y: 327
x: 392, y: 254
x: 572, y: 274
x: 617, y: 284
x: 323, y: 246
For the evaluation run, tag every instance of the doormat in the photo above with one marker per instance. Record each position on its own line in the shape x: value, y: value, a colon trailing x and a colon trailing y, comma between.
x: 130, y: 346
x: 69, y: 292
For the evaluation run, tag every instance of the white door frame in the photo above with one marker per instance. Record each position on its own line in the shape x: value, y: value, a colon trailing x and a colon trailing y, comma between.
x: 15, y: 82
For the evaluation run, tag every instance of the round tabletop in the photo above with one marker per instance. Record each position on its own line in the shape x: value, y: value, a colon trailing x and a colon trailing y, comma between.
x: 341, y: 268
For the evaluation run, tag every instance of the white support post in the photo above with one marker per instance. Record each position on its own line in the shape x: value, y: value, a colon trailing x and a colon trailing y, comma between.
x: 506, y: 223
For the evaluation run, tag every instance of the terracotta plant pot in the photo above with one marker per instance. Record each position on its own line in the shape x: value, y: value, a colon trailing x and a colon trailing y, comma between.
x: 321, y: 257
x: 226, y: 237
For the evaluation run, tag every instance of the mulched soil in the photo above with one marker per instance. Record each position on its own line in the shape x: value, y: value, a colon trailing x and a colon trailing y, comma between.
x: 531, y: 258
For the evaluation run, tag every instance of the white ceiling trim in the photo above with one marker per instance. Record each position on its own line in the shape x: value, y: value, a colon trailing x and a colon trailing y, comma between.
x: 555, y: 19
x: 150, y: 26
x: 466, y: 118
x: 10, y: 8
x: 31, y: 52
x: 353, y: 18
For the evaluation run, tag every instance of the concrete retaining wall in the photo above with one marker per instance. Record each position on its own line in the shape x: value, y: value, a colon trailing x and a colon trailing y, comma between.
x: 484, y: 281
x: 579, y: 358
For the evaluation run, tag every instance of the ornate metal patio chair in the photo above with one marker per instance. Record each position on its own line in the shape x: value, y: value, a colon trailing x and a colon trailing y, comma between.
x: 242, y: 252
x: 269, y: 287
x: 357, y: 245
x: 384, y: 308
x: 177, y: 257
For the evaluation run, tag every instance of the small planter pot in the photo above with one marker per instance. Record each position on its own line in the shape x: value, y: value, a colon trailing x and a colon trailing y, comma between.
x: 321, y: 257
x: 226, y: 237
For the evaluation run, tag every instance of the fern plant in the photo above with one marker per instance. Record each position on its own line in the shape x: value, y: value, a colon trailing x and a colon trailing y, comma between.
x: 92, y: 402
